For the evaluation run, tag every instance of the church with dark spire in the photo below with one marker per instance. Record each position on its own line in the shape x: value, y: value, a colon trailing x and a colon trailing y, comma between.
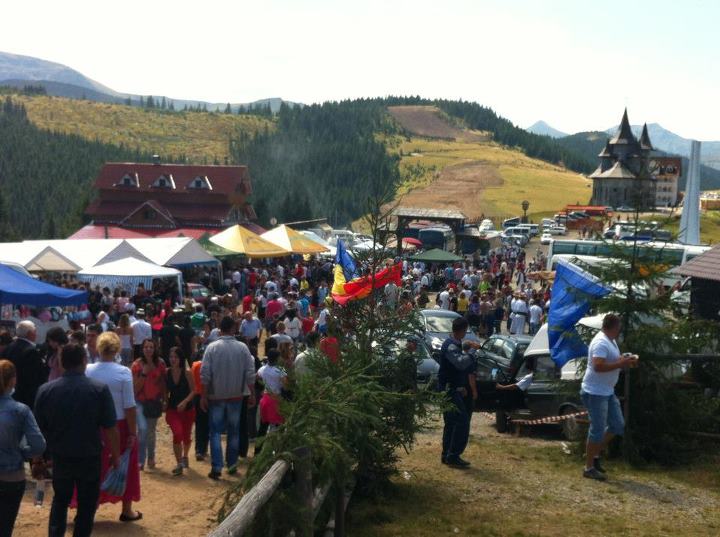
x: 624, y: 177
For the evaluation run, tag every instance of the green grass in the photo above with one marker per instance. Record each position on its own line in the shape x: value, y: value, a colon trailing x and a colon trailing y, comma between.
x: 529, y: 487
x: 547, y: 187
x: 199, y: 136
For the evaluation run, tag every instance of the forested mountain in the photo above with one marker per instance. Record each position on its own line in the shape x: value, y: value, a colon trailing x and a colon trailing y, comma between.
x: 45, y: 177
x: 543, y: 129
x: 320, y: 161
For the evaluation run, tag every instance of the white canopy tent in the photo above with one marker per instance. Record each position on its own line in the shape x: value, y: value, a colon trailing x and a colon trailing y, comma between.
x: 128, y: 273
x: 173, y: 251
x: 86, y: 253
x: 36, y: 257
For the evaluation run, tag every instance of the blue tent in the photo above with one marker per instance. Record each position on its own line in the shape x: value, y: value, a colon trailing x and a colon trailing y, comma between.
x: 18, y: 288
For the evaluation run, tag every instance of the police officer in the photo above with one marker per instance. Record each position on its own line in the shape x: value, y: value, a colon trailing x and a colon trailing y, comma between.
x: 456, y: 377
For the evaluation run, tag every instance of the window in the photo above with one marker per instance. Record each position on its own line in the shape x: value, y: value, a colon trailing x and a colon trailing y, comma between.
x: 164, y: 181
x: 128, y: 180
x: 200, y: 182
x: 149, y: 214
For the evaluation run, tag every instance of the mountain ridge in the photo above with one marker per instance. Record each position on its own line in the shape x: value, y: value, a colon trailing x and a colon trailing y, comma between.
x: 59, y: 80
x: 544, y: 129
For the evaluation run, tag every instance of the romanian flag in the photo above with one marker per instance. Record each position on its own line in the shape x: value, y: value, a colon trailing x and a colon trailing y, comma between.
x: 343, y: 291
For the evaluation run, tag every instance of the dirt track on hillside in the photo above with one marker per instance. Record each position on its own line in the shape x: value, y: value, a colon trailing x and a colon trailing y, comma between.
x: 428, y: 121
x: 457, y: 187
x: 171, y: 506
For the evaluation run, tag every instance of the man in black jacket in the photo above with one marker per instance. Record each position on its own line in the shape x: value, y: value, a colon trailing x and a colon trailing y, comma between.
x: 31, y: 369
x: 71, y: 411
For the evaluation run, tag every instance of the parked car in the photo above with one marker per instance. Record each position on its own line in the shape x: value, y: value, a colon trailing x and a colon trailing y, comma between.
x: 558, y: 230
x: 625, y: 209
x: 199, y: 293
x: 506, y: 349
x: 438, y: 327
x: 546, y: 237
x: 546, y: 396
x: 427, y: 367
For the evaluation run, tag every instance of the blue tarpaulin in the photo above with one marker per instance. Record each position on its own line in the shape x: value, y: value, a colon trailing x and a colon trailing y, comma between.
x: 18, y: 288
x: 342, y: 258
x: 572, y: 294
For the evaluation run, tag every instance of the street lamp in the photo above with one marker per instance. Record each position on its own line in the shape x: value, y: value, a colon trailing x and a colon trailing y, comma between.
x: 525, y: 206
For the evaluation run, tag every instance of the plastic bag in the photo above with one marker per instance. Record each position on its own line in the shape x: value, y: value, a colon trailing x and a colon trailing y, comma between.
x: 116, y: 479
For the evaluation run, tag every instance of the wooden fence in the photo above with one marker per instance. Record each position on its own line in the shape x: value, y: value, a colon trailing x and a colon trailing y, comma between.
x: 237, y: 523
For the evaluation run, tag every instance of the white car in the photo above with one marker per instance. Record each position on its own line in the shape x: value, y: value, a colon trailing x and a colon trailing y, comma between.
x: 546, y: 238
x: 558, y: 230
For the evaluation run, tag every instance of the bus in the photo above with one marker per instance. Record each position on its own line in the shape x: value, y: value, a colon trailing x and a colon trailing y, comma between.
x: 669, y: 254
x: 441, y: 237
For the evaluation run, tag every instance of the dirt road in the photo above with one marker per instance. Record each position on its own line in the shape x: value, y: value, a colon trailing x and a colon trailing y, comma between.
x: 171, y: 506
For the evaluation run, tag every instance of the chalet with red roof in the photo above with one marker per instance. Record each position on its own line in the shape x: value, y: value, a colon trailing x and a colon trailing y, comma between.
x: 168, y: 199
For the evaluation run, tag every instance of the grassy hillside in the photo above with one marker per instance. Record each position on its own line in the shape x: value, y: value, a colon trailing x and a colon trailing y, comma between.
x: 482, y: 178
x: 196, y: 136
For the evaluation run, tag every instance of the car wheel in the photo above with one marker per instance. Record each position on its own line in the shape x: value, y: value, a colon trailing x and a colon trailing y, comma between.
x: 571, y: 429
x: 501, y: 421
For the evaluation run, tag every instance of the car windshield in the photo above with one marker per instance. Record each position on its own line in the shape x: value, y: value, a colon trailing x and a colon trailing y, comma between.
x: 439, y: 324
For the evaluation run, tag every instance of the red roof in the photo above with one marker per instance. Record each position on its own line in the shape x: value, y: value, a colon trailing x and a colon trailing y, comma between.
x: 117, y: 211
x: 115, y: 232
x: 223, y: 179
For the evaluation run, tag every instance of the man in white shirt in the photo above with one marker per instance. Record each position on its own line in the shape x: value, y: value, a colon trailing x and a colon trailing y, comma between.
x: 535, y: 317
x: 524, y: 383
x: 598, y: 393
x: 141, y: 330
x: 391, y: 295
x: 444, y: 299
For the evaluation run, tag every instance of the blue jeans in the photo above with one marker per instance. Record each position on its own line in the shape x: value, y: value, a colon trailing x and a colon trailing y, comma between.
x: 605, y: 415
x: 146, y: 431
x: 457, y: 427
x: 224, y: 416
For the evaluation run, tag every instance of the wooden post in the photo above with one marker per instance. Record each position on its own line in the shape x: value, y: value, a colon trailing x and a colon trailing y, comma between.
x: 302, y: 463
x: 247, y: 508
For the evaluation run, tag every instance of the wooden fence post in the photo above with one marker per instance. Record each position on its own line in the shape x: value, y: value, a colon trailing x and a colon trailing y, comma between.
x: 302, y: 463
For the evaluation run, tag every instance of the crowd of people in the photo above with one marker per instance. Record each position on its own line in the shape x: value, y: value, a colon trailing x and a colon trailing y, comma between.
x: 212, y: 368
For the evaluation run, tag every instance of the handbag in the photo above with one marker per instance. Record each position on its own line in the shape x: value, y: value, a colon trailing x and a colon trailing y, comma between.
x: 115, y: 480
x: 152, y: 409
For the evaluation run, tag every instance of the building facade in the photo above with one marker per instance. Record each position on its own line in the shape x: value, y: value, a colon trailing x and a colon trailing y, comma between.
x: 667, y: 171
x: 624, y: 177
x: 169, y: 199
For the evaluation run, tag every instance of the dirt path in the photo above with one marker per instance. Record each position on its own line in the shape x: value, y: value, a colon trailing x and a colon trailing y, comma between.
x: 430, y: 122
x: 459, y: 186
x: 530, y: 486
x: 172, y: 506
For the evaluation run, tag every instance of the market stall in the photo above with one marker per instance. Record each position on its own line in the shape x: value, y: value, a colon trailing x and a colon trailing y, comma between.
x: 128, y: 273
x: 18, y: 288
x: 241, y: 240
x: 293, y: 241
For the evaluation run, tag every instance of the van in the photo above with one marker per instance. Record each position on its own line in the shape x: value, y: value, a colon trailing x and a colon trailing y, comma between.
x: 534, y: 228
x: 548, y: 222
x: 517, y: 231
x: 511, y: 222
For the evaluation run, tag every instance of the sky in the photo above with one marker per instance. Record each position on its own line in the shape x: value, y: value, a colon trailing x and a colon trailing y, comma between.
x: 573, y: 63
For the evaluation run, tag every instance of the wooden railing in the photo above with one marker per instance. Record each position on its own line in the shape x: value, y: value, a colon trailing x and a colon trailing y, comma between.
x: 239, y: 521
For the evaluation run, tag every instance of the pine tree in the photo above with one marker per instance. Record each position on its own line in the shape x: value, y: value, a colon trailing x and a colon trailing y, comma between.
x: 228, y: 109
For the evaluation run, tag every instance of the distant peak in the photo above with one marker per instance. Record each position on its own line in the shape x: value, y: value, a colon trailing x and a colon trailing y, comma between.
x: 544, y: 129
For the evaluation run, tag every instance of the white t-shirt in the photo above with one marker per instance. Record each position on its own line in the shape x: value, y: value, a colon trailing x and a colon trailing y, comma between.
x: 299, y: 366
x: 292, y: 328
x: 272, y: 376
x: 322, y: 317
x: 525, y: 382
x: 444, y: 300
x: 535, y: 314
x: 596, y: 383
x: 119, y: 380
x: 141, y: 330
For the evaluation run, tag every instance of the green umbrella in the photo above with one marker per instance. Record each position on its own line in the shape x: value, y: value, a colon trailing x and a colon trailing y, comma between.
x: 436, y: 256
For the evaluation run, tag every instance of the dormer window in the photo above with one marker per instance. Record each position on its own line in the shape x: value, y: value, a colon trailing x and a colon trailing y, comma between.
x: 200, y: 182
x: 129, y: 179
x: 164, y: 181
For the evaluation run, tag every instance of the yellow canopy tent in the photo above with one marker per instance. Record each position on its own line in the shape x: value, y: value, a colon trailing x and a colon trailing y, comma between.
x: 243, y: 241
x: 293, y: 241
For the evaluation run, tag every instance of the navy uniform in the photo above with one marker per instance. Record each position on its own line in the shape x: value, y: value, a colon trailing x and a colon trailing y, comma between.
x: 455, y: 366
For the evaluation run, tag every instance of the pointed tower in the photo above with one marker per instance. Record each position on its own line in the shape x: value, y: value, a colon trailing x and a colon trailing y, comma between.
x: 624, y: 135
x: 645, y: 143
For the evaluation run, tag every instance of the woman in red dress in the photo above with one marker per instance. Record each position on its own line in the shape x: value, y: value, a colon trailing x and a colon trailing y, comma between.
x: 119, y: 380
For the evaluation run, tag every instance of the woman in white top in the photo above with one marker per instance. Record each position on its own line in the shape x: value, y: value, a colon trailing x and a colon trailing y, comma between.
x: 120, y: 382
